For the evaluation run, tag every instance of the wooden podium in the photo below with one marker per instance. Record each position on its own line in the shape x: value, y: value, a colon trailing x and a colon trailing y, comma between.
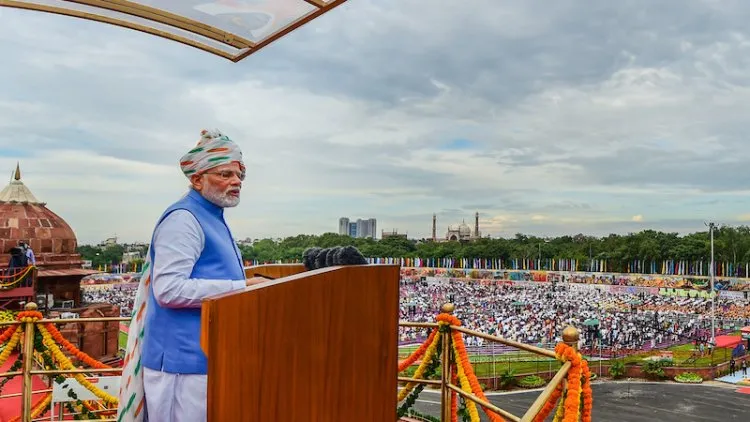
x: 316, y: 346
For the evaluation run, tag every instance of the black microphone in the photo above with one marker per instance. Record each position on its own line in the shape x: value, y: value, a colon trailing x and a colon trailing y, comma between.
x: 320, y: 260
x: 331, y: 255
x: 349, y: 255
x: 309, y: 256
x: 314, y: 258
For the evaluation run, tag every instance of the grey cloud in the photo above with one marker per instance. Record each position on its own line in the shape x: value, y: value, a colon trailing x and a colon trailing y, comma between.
x: 639, y: 166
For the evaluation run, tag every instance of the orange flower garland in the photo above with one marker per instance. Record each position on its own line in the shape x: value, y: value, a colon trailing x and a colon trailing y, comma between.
x: 5, y: 336
x: 37, y: 408
x: 476, y: 389
x: 550, y: 405
x: 409, y: 361
x: 588, y: 394
x: 81, y: 356
x: 462, y: 358
x: 579, y: 370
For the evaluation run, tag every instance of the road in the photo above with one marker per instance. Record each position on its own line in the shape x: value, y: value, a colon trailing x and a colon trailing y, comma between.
x: 635, y: 402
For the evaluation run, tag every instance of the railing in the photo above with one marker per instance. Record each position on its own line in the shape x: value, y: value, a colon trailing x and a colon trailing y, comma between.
x: 570, y: 336
x: 27, y: 367
x: 10, y: 278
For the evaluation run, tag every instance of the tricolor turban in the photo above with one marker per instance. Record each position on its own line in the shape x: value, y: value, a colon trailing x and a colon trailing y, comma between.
x: 213, y: 150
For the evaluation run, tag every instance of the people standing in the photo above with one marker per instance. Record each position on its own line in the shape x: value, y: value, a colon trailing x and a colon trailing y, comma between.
x: 193, y: 255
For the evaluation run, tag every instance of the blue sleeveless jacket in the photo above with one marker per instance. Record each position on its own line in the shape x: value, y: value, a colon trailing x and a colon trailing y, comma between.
x: 172, y: 335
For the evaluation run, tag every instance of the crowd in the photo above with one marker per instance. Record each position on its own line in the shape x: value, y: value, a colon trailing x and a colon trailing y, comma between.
x: 122, y: 295
x: 536, y: 313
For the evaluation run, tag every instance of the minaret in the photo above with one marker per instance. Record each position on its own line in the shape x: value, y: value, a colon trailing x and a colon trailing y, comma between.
x: 476, y: 225
x: 434, y: 227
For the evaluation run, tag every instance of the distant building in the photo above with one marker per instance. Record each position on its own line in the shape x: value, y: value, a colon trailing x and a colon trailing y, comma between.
x: 458, y: 233
x: 129, y: 257
x: 394, y: 233
x: 111, y: 241
x: 359, y: 228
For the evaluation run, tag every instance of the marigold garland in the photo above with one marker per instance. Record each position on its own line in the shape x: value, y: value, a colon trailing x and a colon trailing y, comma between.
x: 15, y: 338
x: 587, y: 393
x: 81, y: 356
x: 11, y: 337
x: 576, y: 405
x: 409, y: 361
x: 578, y: 389
x: 550, y: 405
x: 5, y: 336
x: 37, y: 408
x: 67, y: 365
x: 431, y: 350
x: 464, y: 364
x: 465, y: 384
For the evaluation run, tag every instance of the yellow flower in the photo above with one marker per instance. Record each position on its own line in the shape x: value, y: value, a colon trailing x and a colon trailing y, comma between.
x: 419, y: 373
x: 471, y: 407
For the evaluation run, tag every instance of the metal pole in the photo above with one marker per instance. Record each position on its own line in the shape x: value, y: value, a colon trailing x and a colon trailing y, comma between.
x: 713, y: 292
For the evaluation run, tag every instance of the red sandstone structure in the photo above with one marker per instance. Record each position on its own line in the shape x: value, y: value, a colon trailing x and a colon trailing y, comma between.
x: 59, y: 270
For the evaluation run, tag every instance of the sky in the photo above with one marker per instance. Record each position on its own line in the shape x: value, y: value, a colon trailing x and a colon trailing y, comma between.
x: 547, y: 118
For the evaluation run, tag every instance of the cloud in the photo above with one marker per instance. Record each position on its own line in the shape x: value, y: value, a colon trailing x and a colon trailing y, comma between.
x: 637, y: 218
x: 585, y: 115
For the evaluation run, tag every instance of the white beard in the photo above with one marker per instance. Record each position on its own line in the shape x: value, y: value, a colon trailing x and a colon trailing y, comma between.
x: 220, y: 199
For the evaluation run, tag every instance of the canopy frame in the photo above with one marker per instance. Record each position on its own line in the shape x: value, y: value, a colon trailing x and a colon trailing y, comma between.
x: 242, y: 46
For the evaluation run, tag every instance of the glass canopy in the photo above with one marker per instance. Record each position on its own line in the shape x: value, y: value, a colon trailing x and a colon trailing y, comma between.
x: 233, y: 29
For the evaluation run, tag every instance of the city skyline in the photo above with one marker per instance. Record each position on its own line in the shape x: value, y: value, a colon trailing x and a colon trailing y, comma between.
x: 539, y: 117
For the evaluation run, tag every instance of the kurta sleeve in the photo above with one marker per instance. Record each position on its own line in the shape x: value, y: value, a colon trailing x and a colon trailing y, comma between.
x: 178, y: 243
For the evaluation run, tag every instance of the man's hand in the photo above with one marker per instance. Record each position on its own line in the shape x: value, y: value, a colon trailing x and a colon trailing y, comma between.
x: 255, y: 280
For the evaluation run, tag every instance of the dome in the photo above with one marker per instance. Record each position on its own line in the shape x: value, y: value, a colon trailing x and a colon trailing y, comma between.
x: 464, y: 229
x: 24, y: 218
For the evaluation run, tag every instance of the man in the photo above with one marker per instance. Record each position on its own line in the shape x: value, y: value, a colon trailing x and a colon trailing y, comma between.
x: 30, y: 258
x: 192, y: 256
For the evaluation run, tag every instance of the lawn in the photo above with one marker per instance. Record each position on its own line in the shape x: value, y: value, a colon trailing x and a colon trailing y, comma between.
x: 525, y: 362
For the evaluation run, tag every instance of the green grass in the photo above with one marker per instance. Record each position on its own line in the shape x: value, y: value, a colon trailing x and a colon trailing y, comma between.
x: 525, y: 362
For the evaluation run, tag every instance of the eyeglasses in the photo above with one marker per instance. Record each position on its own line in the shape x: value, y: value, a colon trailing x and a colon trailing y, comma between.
x: 228, y: 174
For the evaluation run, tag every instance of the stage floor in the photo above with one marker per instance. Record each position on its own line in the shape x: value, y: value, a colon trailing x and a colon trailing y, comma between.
x: 636, y: 402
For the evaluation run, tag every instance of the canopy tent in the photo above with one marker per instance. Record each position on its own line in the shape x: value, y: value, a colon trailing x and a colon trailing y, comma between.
x: 591, y: 322
x: 233, y: 29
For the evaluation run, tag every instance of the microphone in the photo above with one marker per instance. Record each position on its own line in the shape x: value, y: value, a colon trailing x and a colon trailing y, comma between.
x: 309, y: 256
x: 315, y: 258
x: 320, y: 260
x: 349, y: 255
x: 331, y: 255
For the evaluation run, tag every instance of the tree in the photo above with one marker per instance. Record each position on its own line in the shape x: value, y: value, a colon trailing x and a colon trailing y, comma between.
x: 732, y: 246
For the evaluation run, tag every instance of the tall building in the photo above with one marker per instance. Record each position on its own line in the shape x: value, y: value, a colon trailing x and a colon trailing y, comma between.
x: 367, y: 228
x: 344, y: 226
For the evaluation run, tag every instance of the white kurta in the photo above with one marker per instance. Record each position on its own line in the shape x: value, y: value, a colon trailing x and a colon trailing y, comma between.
x: 178, y: 243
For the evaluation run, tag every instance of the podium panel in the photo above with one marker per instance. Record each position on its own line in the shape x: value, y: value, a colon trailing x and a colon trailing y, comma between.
x: 274, y: 270
x: 317, y: 346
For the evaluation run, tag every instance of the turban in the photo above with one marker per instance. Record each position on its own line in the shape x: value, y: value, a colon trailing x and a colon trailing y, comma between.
x: 213, y: 150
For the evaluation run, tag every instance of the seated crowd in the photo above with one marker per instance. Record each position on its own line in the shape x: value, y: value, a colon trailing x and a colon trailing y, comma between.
x: 536, y: 314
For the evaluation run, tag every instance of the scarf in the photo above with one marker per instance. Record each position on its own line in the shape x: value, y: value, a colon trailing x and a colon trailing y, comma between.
x: 132, y: 407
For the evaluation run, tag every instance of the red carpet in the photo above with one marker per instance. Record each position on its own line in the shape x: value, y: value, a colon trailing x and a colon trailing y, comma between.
x: 11, y: 407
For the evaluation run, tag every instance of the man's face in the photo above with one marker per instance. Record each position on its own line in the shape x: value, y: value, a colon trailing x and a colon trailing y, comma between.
x: 220, y: 185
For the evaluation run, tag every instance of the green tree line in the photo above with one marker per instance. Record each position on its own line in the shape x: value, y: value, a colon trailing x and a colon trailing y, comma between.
x: 731, y: 245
